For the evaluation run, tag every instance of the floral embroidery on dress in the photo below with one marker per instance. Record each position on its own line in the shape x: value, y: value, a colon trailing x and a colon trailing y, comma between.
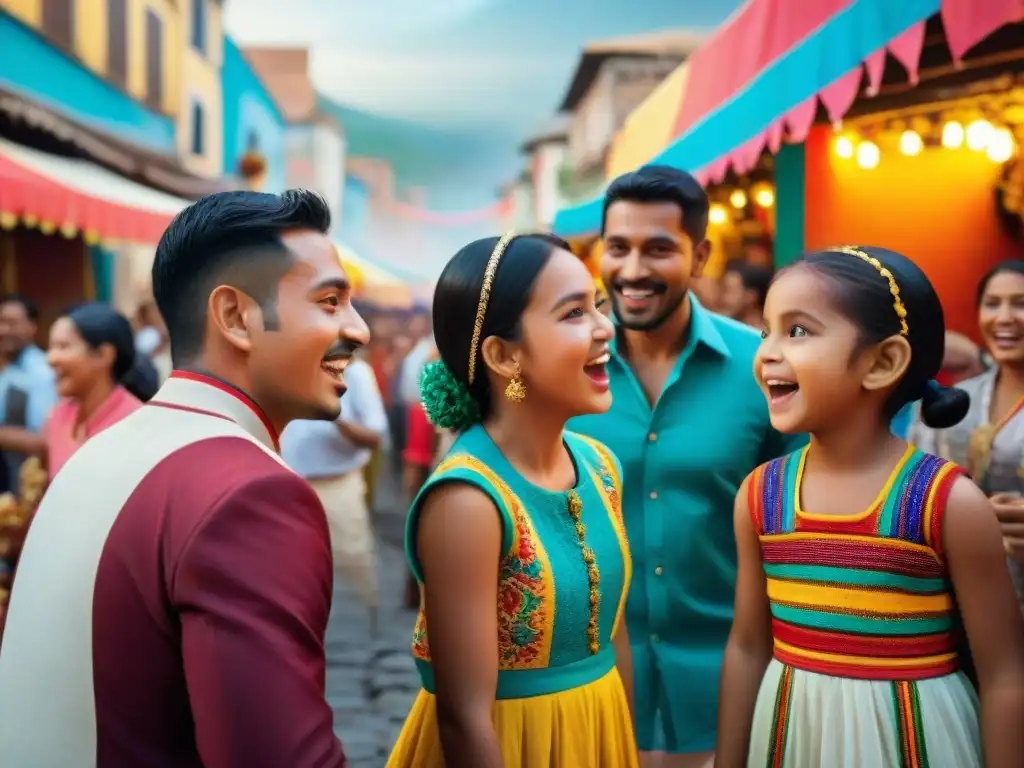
x: 420, y: 647
x: 520, y: 600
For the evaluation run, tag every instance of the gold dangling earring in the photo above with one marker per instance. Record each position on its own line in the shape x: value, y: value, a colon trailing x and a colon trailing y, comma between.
x: 516, y: 390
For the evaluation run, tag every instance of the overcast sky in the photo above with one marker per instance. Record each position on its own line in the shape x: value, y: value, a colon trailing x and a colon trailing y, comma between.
x: 455, y: 62
x: 494, y: 68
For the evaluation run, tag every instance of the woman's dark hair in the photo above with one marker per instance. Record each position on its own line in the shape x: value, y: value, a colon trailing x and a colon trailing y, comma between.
x: 98, y: 324
x: 457, y: 297
x: 1013, y: 265
x: 863, y: 295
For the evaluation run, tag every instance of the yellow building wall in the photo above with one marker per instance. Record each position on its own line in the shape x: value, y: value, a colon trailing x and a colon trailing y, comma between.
x: 91, y: 27
x: 91, y: 34
x: 200, y: 81
x: 188, y: 74
x: 28, y: 11
x: 170, y: 19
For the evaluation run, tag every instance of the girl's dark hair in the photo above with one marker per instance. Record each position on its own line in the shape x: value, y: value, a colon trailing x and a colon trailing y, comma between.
x: 862, y: 294
x: 457, y: 297
x: 98, y: 324
x: 1013, y: 265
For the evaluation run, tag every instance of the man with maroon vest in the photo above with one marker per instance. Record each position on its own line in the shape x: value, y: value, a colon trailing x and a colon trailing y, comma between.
x: 173, y: 593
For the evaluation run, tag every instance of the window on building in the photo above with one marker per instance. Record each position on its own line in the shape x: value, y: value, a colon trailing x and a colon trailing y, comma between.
x: 198, y: 35
x: 198, y: 129
x: 154, y: 60
x: 117, y: 41
x: 253, y: 144
x: 59, y: 22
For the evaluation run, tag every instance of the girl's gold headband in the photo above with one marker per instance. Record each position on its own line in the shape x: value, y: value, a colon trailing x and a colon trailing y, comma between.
x: 485, y: 296
x: 894, y: 289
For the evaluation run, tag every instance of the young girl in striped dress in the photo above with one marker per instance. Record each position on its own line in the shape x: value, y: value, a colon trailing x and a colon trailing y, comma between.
x: 861, y: 558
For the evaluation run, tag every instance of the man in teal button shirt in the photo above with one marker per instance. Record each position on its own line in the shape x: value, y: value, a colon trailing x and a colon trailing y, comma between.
x: 688, y: 422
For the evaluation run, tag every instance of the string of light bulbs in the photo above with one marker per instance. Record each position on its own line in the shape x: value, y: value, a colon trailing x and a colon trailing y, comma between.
x: 762, y: 194
x: 977, y: 135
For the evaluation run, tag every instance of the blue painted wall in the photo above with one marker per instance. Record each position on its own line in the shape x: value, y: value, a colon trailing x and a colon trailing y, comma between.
x: 250, y: 112
x: 355, y: 212
x: 30, y: 66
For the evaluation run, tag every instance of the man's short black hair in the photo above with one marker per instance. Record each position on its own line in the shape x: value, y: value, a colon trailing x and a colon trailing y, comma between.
x: 31, y: 310
x: 753, y: 276
x: 227, y: 238
x: 663, y: 184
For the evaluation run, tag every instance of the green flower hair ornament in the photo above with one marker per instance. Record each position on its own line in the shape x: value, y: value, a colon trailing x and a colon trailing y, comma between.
x: 446, y: 400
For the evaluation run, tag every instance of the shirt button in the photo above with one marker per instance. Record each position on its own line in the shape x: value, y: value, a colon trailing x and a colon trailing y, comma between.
x: 653, y: 495
x: 652, y: 437
x: 658, y: 571
x: 655, y: 639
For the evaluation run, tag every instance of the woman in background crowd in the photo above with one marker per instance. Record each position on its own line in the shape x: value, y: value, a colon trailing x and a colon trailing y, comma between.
x: 989, y: 442
x: 92, y: 352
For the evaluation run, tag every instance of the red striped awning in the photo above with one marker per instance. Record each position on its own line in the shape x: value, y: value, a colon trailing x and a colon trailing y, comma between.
x: 74, y: 196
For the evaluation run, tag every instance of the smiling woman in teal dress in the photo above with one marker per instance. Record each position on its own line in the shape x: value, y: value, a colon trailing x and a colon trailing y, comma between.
x: 517, y: 538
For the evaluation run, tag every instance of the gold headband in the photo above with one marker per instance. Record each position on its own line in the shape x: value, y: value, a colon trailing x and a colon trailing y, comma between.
x: 485, y: 296
x: 894, y: 289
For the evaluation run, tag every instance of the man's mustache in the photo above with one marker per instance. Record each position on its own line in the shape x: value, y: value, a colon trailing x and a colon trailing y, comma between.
x: 342, y: 349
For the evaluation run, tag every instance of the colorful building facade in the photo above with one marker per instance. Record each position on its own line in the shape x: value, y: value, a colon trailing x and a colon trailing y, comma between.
x: 111, y: 120
x: 254, y: 126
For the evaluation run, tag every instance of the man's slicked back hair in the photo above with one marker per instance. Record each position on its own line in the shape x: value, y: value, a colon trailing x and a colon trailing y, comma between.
x: 663, y: 184
x: 228, y: 238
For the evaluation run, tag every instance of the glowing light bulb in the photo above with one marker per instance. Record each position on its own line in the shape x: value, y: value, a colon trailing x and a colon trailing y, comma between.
x: 1001, y: 146
x: 717, y: 214
x: 979, y: 134
x: 844, y: 147
x: 765, y: 197
x: 952, y: 135
x: 738, y: 199
x: 868, y: 155
x: 911, y: 143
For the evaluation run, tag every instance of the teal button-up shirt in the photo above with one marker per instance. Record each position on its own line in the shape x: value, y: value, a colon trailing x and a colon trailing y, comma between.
x: 683, y: 462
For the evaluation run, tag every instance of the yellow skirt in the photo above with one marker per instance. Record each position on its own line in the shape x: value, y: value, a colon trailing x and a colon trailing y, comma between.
x: 585, y: 727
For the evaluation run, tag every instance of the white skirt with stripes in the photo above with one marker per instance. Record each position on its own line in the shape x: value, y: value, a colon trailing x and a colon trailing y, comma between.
x: 808, y: 720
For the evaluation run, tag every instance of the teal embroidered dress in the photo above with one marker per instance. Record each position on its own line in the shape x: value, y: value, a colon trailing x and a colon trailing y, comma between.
x: 562, y: 581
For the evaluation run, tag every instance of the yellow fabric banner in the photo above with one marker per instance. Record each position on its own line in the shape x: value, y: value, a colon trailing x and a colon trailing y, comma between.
x: 649, y: 127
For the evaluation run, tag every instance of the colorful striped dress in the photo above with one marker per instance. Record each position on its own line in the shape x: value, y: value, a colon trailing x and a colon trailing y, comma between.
x: 865, y: 667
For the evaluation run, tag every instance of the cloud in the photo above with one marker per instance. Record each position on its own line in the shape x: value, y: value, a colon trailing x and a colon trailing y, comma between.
x: 342, y: 21
x: 490, y: 69
x: 443, y: 88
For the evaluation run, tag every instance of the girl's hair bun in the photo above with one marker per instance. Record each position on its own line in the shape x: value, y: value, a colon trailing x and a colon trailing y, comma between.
x: 942, y: 407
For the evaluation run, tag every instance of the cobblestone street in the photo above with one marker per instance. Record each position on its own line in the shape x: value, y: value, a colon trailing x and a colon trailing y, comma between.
x: 371, y: 682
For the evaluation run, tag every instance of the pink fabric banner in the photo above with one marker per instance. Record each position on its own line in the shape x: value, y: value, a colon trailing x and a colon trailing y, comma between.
x: 968, y: 22
x: 755, y: 36
x: 906, y: 49
x: 875, y: 67
x: 764, y: 30
x: 839, y: 97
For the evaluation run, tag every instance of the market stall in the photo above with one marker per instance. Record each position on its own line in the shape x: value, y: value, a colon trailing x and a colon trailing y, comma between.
x: 61, y: 218
x: 931, y: 168
x: 738, y: 112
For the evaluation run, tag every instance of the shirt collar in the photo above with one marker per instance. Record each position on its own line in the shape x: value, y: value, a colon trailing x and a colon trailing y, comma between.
x: 703, y: 331
x: 208, y: 394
